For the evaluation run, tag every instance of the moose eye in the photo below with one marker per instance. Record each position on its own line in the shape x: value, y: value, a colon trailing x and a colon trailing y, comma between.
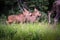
x: 38, y: 16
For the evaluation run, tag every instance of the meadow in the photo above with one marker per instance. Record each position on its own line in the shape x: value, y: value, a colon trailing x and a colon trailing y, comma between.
x: 29, y: 31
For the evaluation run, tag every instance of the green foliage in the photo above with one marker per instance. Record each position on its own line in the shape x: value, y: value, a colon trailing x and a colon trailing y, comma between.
x: 12, y: 8
x: 36, y: 31
x: 6, y: 32
x: 41, y: 4
x: 44, y: 17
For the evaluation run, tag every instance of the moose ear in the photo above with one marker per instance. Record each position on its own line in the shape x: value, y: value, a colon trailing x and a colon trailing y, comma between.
x: 25, y: 9
x: 35, y: 9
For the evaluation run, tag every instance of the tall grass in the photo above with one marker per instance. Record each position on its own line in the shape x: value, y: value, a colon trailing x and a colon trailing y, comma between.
x: 29, y: 31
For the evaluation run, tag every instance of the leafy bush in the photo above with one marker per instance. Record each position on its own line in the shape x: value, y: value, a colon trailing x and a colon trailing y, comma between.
x: 44, y: 17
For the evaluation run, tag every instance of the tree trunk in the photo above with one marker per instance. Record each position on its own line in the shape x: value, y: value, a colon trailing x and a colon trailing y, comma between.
x: 19, y: 5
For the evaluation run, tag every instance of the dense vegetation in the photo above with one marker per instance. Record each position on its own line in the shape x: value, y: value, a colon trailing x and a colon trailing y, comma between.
x: 8, y: 7
x: 36, y: 31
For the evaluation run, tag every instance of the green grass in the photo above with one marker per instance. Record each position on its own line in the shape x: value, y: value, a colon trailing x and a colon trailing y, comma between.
x: 29, y: 31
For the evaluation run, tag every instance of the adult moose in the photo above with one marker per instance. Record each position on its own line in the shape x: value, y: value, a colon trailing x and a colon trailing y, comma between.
x: 56, y: 9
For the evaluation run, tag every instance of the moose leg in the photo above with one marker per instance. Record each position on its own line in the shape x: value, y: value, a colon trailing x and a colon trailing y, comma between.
x: 56, y: 18
x: 57, y: 14
x: 49, y: 14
